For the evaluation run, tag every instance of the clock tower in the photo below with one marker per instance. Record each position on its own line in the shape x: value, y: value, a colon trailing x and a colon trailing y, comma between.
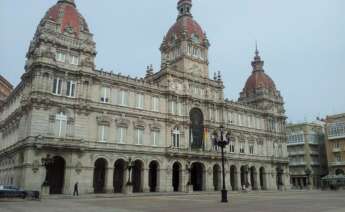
x: 185, y: 46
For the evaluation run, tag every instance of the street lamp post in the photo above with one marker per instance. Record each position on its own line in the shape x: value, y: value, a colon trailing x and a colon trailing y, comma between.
x: 222, y: 141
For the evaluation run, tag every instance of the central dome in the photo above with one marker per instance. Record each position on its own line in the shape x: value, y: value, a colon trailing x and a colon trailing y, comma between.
x: 185, y: 27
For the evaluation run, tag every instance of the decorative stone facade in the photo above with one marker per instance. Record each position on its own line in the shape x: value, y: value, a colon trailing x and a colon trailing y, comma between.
x: 115, y: 133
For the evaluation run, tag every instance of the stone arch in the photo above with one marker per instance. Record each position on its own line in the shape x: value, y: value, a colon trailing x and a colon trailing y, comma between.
x: 56, y: 175
x: 217, y: 177
x: 154, y: 173
x: 253, y: 178
x: 339, y: 172
x: 177, y: 176
x: 119, y: 177
x: 233, y: 178
x: 99, y: 175
x: 244, y: 176
x: 138, y: 175
x: 198, y: 176
x: 263, y: 182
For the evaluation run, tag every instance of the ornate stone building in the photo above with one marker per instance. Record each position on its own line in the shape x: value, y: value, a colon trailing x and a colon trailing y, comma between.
x: 92, y: 123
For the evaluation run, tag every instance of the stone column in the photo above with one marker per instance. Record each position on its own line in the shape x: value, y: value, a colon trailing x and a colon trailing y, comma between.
x: 168, y: 180
x: 109, y: 188
x: 208, y: 180
x: 249, y: 185
x: 257, y: 179
x: 227, y: 181
x: 238, y: 180
x: 269, y: 179
x: 145, y: 180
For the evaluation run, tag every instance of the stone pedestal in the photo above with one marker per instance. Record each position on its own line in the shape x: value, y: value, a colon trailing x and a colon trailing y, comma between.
x: 128, y: 189
x: 45, y: 191
x: 189, y: 188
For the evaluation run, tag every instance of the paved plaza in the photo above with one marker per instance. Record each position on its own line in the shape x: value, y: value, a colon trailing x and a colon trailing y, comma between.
x: 292, y: 201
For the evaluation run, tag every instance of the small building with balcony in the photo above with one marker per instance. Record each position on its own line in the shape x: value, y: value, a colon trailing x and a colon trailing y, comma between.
x: 307, y: 156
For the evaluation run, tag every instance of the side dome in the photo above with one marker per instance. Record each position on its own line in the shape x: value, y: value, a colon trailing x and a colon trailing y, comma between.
x: 66, y: 15
x: 258, y: 80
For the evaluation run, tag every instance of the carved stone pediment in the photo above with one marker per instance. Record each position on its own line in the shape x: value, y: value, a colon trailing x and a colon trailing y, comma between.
x: 155, y: 126
x: 260, y: 141
x: 251, y: 139
x: 103, y: 120
x: 139, y: 123
x: 241, y: 138
x: 122, y: 122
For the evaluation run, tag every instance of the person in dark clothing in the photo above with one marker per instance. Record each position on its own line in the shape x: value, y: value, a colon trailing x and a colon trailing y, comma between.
x: 76, y: 190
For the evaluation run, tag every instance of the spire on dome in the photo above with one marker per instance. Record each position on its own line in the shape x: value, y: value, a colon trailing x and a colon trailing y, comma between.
x: 257, y: 64
x: 184, y: 7
x: 68, y: 2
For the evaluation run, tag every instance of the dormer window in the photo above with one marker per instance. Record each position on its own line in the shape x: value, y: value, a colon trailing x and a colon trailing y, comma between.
x: 195, y: 39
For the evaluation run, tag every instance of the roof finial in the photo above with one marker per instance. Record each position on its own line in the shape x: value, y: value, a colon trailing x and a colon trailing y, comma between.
x: 257, y: 53
x: 67, y: 1
x: 184, y: 7
x: 257, y: 63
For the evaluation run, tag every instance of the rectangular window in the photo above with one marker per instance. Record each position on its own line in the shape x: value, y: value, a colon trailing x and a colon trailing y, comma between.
x: 155, y: 138
x: 140, y: 136
x: 103, y: 133
x: 123, y: 98
x: 61, y: 125
x: 251, y: 149
x: 242, y: 148
x: 338, y: 157
x: 155, y: 104
x: 176, y: 140
x: 57, y: 85
x: 121, y: 135
x: 210, y: 112
x: 105, y: 92
x: 74, y: 60
x: 216, y: 115
x: 232, y: 147
x: 60, y: 57
x: 140, y: 101
x: 179, y: 109
x: 173, y: 107
x: 71, y: 85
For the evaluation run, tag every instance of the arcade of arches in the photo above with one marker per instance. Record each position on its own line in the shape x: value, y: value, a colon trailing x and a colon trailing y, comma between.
x: 149, y: 176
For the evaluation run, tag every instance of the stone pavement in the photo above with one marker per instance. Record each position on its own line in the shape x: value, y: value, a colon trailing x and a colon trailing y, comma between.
x: 291, y: 201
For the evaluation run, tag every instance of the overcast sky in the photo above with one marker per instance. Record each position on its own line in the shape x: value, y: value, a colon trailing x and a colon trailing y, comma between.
x: 301, y: 41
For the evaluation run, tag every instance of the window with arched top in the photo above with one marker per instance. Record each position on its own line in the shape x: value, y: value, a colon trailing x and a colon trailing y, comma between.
x: 176, y: 137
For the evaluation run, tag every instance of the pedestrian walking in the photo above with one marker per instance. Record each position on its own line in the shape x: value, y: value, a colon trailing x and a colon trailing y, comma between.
x: 76, y: 189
